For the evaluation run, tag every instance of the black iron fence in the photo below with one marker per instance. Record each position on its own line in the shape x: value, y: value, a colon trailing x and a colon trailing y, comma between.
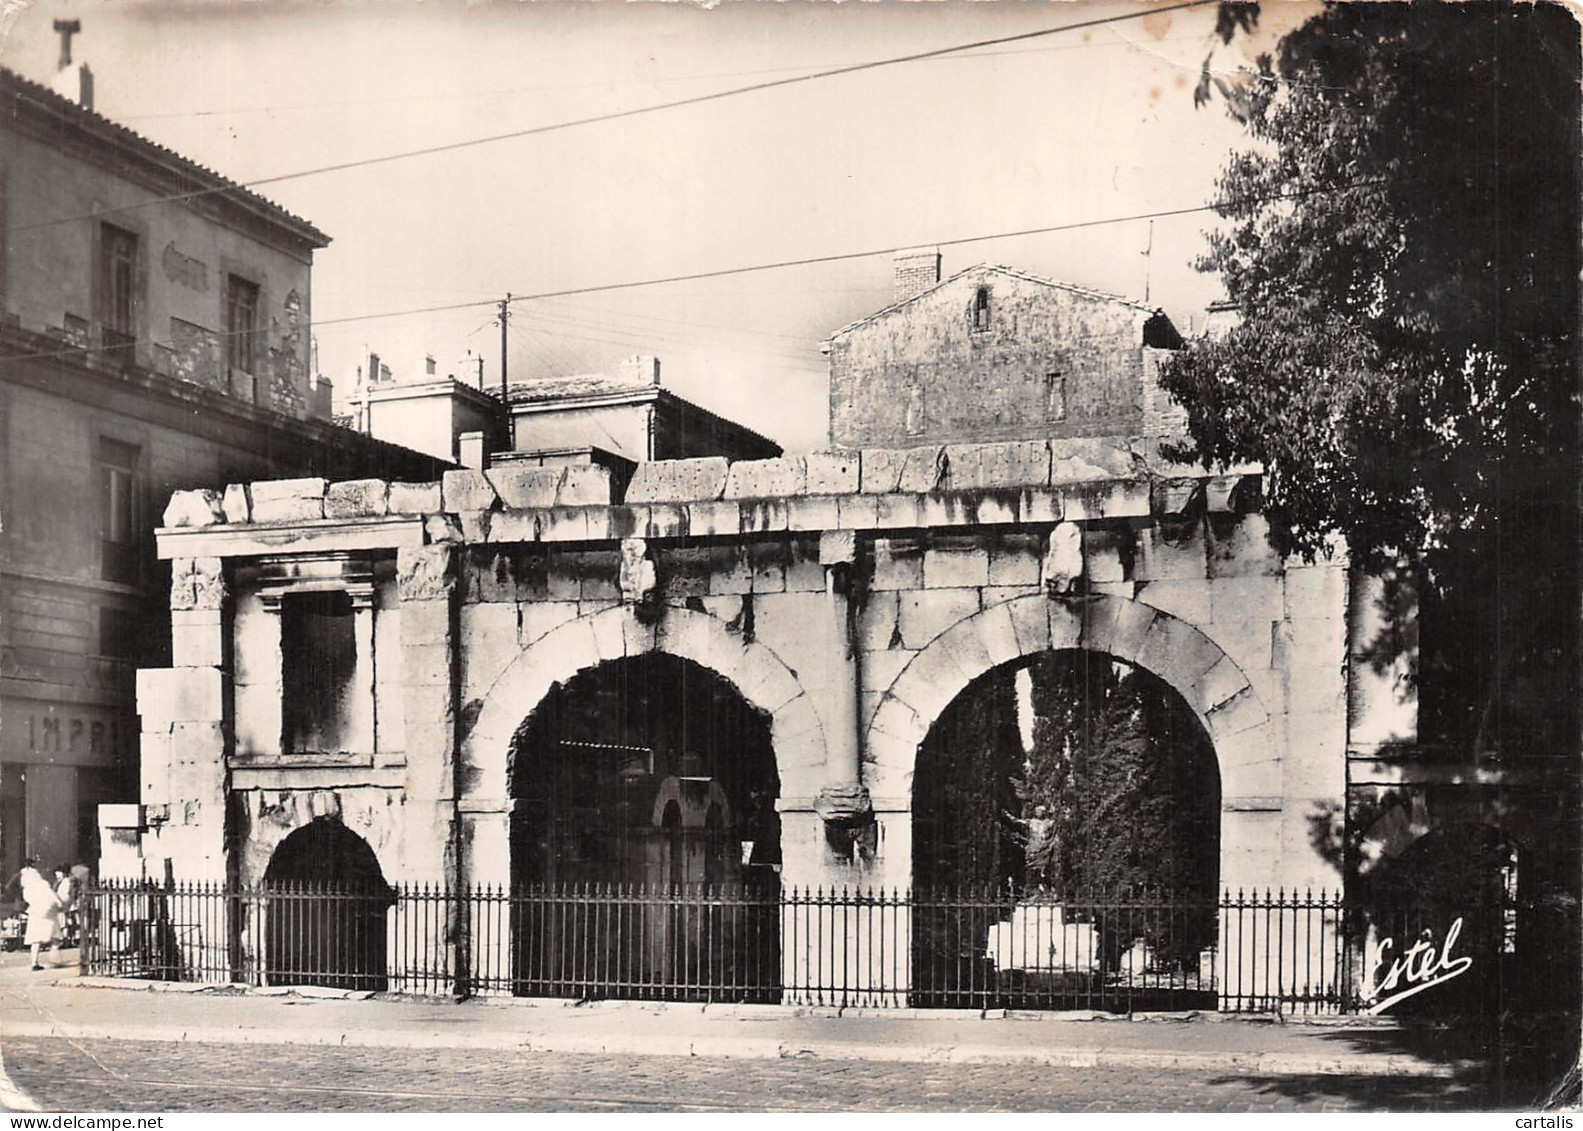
x: 1038, y: 949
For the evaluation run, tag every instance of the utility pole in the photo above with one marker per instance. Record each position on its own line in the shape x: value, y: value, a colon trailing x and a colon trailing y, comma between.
x: 505, y: 313
x: 1148, y: 257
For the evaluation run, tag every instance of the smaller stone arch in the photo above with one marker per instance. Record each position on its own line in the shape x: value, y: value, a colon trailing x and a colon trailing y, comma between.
x: 751, y: 668
x: 1218, y: 691
x: 325, y: 911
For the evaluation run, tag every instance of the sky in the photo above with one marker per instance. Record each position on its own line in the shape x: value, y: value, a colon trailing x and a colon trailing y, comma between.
x: 1085, y: 125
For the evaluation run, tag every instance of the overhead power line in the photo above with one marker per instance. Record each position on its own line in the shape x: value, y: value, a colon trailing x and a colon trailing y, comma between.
x: 726, y: 272
x: 616, y: 115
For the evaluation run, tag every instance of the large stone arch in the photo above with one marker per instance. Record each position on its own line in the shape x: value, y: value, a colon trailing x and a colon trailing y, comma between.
x: 1213, y: 685
x: 753, y: 669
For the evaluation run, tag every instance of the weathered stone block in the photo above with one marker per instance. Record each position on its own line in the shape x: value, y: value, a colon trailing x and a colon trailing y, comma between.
x: 999, y: 507
x: 1014, y: 560
x: 877, y: 623
x: 538, y: 618
x: 898, y: 564
x: 858, y: 512
x: 679, y: 480
x: 1084, y: 460
x: 523, y: 486
x: 355, y: 498
x: 275, y: 490
x: 425, y: 573
x: 515, y: 526
x: 955, y: 563
x: 946, y: 509
x: 475, y: 525
x: 1113, y: 499
x: 1108, y: 554
x: 924, y: 469
x: 778, y: 478
x: 880, y: 670
x: 237, y: 506
x: 1186, y: 600
x: 879, y: 470
x: 270, y: 506
x: 683, y: 572
x: 925, y: 614
x: 1171, y: 551
x: 832, y: 473
x: 1039, y: 505
x: 728, y: 570
x: 665, y: 520
x: 196, y: 643
x: 1239, y: 547
x: 767, y: 561
x: 466, y: 490
x: 414, y: 498
x: 762, y: 516
x: 1024, y: 463
x: 804, y: 571
x: 564, y: 524
x: 813, y: 514
x: 714, y: 519
x: 584, y: 484
x: 898, y: 512
x: 168, y: 695
x: 193, y: 508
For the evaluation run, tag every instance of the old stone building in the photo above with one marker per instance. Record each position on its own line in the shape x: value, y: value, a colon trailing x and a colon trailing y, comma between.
x: 994, y: 353
x: 148, y: 341
x: 806, y: 672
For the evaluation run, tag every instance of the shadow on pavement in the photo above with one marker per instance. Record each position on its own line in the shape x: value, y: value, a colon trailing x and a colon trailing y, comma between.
x: 1512, y: 1064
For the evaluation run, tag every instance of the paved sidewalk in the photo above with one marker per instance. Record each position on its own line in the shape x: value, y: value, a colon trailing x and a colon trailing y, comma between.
x: 57, y: 1003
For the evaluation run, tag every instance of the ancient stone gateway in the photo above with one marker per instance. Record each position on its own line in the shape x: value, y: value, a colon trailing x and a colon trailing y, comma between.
x: 845, y: 598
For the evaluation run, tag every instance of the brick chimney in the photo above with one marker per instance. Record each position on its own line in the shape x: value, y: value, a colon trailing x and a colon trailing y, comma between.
x: 917, y: 270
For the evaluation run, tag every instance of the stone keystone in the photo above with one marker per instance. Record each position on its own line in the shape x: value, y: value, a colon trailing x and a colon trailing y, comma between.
x: 1063, y: 560
x: 637, y: 578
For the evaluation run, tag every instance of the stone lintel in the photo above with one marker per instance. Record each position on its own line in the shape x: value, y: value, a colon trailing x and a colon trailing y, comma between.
x: 307, y: 537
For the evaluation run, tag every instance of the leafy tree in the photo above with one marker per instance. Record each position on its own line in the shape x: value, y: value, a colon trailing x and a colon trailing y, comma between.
x: 1402, y: 250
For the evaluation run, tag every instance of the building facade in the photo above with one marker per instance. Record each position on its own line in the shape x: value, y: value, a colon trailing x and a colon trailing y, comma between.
x: 149, y: 340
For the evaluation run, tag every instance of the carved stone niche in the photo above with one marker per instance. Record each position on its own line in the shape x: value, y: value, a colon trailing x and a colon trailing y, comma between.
x: 323, y: 607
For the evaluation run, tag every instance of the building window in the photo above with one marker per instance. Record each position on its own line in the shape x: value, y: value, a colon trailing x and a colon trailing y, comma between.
x: 117, y: 286
x: 119, y: 509
x: 241, y: 330
x: 979, y: 312
x: 1055, y: 396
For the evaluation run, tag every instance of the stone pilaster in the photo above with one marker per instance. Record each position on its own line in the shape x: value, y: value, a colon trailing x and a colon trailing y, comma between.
x: 426, y: 584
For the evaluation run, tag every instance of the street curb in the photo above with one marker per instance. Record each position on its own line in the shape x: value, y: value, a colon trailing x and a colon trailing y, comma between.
x: 751, y: 1048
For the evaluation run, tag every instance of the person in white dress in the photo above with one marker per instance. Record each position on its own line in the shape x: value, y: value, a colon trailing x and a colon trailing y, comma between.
x: 43, y: 910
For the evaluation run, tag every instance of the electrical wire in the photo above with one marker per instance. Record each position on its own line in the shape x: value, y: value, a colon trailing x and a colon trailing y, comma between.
x: 616, y: 115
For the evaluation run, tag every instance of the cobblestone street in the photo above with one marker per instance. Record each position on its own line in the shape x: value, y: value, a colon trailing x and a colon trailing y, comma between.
x: 150, y: 1076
